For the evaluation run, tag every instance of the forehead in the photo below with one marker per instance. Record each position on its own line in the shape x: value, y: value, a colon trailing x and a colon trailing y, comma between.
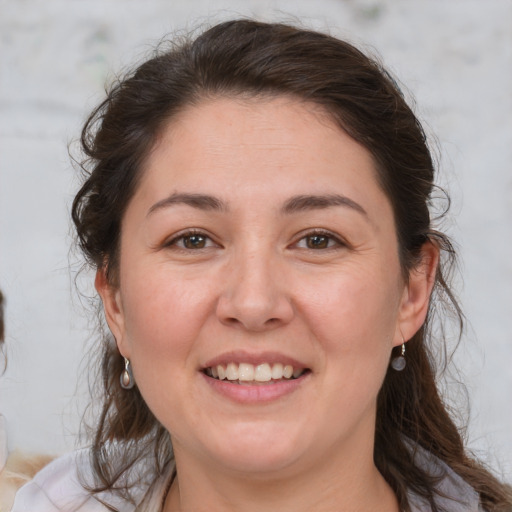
x: 256, y: 154
x: 233, y: 137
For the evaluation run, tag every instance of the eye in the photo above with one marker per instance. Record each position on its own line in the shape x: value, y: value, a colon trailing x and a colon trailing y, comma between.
x: 319, y: 240
x: 191, y: 241
x: 194, y: 241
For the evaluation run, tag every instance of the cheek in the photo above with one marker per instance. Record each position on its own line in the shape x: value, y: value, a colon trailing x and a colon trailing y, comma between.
x: 163, y: 315
x: 164, y: 318
x: 352, y: 310
x: 353, y: 318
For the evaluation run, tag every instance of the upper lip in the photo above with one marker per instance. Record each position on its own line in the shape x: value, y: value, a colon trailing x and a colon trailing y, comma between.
x: 240, y: 356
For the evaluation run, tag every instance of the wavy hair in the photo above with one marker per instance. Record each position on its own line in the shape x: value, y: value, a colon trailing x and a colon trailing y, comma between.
x: 244, y: 58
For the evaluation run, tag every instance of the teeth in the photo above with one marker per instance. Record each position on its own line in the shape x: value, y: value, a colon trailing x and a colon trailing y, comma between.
x: 232, y: 371
x: 277, y: 371
x: 245, y: 372
x: 263, y: 373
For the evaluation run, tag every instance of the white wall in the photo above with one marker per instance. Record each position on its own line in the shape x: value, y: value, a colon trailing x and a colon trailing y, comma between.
x: 454, y: 55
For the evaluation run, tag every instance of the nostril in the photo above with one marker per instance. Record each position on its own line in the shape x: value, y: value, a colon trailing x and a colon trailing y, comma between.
x: 253, y: 311
x: 252, y: 324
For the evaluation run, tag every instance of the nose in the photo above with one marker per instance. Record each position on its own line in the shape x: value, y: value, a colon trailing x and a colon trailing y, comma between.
x: 254, y: 294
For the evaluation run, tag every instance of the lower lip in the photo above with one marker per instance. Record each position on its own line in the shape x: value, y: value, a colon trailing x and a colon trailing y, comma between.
x: 261, y: 393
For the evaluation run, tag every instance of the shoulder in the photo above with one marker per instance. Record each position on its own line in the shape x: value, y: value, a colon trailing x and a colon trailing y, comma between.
x: 57, y: 488
x: 453, y: 493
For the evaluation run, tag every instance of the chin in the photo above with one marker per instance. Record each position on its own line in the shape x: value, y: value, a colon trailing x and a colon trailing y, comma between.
x: 258, y: 451
x: 261, y: 464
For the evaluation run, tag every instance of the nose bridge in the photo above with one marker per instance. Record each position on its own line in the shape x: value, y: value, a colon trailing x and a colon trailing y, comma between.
x: 255, y: 267
x: 254, y: 295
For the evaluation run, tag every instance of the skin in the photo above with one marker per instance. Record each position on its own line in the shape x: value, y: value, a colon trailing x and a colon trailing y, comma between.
x: 257, y: 283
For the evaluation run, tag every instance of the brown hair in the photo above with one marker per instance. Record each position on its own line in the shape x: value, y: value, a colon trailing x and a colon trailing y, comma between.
x: 252, y: 59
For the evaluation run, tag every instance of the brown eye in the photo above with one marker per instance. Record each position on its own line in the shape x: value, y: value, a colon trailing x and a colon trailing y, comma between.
x: 190, y: 241
x: 194, y: 241
x: 317, y: 242
x: 320, y: 240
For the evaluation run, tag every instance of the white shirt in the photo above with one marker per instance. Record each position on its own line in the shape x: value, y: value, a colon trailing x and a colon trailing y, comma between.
x: 57, y: 488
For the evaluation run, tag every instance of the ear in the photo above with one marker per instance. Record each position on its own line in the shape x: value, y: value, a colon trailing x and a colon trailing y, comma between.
x: 112, y: 306
x: 416, y: 294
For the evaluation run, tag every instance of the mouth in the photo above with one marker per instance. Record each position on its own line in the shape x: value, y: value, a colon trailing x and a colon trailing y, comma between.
x: 250, y: 374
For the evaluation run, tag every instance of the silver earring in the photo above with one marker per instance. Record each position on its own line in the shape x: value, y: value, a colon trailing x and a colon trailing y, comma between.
x: 126, y: 379
x: 399, y: 363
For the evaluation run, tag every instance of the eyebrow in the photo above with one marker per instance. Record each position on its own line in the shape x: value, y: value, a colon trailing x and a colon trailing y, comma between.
x: 199, y: 201
x: 295, y: 204
x: 318, y: 202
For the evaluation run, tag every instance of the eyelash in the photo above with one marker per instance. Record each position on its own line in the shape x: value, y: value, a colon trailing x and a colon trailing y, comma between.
x: 188, y: 235
x: 337, y: 241
x: 333, y: 241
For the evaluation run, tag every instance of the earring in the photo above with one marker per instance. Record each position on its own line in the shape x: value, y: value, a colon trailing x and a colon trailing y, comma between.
x: 399, y: 363
x: 126, y: 379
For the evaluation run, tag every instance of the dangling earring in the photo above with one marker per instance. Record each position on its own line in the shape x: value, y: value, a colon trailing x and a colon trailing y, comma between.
x: 399, y: 363
x: 126, y: 379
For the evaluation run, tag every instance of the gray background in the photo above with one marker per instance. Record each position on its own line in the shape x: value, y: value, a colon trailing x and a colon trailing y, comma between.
x: 455, y: 56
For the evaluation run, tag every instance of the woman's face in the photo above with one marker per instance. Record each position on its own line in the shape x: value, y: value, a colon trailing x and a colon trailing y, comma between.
x: 259, y: 243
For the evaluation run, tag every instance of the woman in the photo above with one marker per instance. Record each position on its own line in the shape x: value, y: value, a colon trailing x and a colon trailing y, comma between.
x: 256, y: 208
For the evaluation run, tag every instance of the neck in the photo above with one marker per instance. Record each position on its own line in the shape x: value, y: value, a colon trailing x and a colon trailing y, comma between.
x: 355, y: 485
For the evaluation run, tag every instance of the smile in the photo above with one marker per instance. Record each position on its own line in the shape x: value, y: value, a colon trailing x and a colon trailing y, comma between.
x: 246, y: 373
